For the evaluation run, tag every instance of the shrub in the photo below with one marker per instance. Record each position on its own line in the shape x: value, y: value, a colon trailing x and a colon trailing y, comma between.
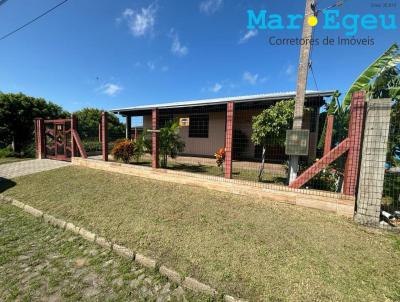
x: 6, y: 152
x: 170, y: 142
x: 123, y: 150
x: 92, y: 146
x: 220, y: 156
x: 28, y: 151
x: 141, y: 145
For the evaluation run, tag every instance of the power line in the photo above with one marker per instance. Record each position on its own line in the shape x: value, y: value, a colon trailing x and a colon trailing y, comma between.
x: 315, y: 81
x: 337, y: 4
x: 33, y: 20
x: 310, y: 64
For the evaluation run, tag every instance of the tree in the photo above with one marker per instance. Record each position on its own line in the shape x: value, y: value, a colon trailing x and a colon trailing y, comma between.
x: 170, y: 142
x: 269, y: 127
x: 88, y: 124
x: 17, y: 112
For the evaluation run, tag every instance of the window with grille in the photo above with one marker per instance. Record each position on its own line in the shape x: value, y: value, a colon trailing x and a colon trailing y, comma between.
x: 198, y: 126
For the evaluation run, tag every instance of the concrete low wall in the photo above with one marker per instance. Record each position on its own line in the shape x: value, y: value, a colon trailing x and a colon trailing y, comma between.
x: 326, y: 201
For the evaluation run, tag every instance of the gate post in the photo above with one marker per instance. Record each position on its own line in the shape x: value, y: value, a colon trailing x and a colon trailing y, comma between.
x: 328, y: 134
x: 104, y: 135
x: 39, y: 138
x: 154, y: 140
x: 230, y: 108
x: 355, y: 136
x: 74, y: 127
x: 99, y: 133
x: 372, y: 172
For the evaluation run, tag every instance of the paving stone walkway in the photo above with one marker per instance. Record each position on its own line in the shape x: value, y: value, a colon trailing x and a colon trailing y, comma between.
x: 27, y: 167
x: 41, y: 263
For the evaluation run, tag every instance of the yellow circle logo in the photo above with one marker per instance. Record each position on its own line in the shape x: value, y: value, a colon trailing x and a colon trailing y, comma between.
x: 312, y: 21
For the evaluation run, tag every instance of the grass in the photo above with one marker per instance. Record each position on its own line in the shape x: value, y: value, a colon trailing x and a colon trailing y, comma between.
x: 41, y: 263
x: 258, y: 250
x: 8, y: 160
x: 242, y: 174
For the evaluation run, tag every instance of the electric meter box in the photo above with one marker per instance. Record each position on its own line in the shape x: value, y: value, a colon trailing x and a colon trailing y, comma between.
x: 297, y: 142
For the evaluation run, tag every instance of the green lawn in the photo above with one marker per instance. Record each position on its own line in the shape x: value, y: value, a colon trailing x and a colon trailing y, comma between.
x: 41, y: 263
x: 255, y: 249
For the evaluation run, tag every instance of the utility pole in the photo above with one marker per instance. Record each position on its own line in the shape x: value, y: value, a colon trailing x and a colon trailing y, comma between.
x: 302, y: 75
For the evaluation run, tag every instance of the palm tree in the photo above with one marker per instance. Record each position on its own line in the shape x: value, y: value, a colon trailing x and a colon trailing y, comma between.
x: 170, y: 142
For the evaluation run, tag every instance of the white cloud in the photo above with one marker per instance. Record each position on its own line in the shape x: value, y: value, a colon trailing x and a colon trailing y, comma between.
x: 151, y: 65
x: 177, y: 48
x: 128, y: 12
x: 253, y: 79
x: 248, y: 35
x: 289, y: 71
x: 216, y: 87
x: 141, y: 22
x: 250, y: 78
x: 111, y: 89
x: 210, y: 7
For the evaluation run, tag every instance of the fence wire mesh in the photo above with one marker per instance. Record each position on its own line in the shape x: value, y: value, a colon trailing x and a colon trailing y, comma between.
x: 193, y: 139
x: 358, y: 161
x: 88, y: 130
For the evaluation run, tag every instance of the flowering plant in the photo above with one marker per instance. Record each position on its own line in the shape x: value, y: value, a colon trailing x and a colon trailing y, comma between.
x: 220, y: 156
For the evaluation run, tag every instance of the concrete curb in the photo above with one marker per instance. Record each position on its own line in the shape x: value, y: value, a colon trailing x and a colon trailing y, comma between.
x: 171, y: 275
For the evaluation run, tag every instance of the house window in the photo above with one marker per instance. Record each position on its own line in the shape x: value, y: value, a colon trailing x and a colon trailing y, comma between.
x: 198, y: 126
x: 164, y: 119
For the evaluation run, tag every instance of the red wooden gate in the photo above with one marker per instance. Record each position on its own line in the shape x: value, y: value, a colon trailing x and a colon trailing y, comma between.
x: 58, y: 139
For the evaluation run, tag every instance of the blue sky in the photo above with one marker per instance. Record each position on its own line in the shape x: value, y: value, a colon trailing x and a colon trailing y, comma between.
x: 111, y: 54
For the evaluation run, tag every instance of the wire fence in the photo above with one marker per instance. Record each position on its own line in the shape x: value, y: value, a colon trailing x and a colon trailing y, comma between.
x: 199, y: 139
x: 379, y: 175
x: 194, y: 140
x: 90, y: 136
x: 391, y: 188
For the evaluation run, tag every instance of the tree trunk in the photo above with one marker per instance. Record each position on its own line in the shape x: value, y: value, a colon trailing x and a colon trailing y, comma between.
x: 13, y: 144
x: 261, y: 170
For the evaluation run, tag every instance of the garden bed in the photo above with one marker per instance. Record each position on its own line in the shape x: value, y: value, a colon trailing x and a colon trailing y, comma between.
x: 240, y: 245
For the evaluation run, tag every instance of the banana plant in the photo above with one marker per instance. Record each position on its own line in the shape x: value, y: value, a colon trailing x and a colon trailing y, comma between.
x: 380, y: 79
x: 388, y: 60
